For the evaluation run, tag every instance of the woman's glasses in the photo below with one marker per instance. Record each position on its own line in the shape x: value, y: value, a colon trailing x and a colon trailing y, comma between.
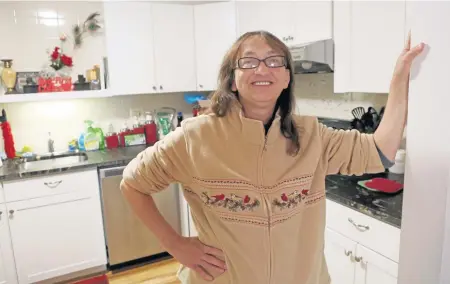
x: 275, y: 61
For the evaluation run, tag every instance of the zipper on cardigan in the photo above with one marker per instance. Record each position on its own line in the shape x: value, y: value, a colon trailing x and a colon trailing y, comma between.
x: 260, y: 172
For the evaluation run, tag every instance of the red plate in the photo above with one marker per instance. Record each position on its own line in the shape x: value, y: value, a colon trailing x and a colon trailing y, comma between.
x: 384, y: 185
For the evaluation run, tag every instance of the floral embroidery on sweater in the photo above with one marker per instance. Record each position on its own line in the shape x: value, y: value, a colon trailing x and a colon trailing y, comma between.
x: 290, y: 201
x: 232, y: 202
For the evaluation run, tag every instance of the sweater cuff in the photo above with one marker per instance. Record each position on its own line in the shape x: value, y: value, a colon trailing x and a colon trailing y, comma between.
x: 385, y: 161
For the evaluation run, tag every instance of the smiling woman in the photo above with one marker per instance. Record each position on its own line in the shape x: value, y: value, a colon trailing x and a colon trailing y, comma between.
x: 253, y: 173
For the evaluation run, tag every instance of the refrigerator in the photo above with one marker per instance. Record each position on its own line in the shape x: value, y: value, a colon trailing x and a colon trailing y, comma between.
x: 425, y: 235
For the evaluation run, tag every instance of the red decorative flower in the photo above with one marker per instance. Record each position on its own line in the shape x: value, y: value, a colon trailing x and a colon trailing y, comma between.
x: 284, y: 197
x: 219, y: 197
x: 66, y: 60
x: 59, y: 60
x: 305, y: 191
x: 55, y: 54
x: 246, y: 199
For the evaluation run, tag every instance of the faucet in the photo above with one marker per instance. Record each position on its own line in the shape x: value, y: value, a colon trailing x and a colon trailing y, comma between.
x: 51, y: 144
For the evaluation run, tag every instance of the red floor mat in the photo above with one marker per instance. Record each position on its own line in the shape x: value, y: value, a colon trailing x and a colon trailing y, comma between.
x: 102, y: 279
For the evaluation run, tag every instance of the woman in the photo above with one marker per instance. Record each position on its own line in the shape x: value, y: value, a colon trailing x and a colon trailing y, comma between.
x: 254, y: 173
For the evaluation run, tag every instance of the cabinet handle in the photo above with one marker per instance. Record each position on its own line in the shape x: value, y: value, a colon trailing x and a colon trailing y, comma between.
x: 11, y: 212
x: 160, y: 87
x: 154, y: 88
x: 348, y: 253
x: 358, y: 226
x: 53, y: 184
x: 358, y: 258
x: 201, y: 86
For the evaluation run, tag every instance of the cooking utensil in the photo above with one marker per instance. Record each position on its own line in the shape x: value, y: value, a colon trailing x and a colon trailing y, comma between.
x: 358, y: 112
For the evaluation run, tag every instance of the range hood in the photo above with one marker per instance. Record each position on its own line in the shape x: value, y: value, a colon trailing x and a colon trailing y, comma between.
x: 313, y: 57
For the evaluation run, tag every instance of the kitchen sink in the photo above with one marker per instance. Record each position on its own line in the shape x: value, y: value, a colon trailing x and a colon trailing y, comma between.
x: 53, y: 160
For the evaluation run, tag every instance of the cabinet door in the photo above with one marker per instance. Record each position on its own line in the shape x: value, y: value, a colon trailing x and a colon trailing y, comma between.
x: 339, y: 252
x: 174, y: 47
x: 312, y: 21
x: 212, y: 21
x: 57, y: 235
x: 7, y: 264
x: 373, y: 268
x: 129, y: 44
x: 273, y: 16
x: 369, y: 46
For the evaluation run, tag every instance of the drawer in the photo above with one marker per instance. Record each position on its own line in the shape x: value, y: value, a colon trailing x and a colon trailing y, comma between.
x: 53, y: 184
x: 369, y: 232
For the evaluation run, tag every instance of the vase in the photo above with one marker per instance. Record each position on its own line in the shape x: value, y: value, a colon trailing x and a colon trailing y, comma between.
x: 8, y: 76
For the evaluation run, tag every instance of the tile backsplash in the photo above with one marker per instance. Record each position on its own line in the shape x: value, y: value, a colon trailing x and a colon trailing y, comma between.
x: 31, y: 122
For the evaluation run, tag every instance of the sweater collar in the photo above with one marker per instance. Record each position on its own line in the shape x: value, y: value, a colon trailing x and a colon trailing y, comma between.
x: 253, y: 130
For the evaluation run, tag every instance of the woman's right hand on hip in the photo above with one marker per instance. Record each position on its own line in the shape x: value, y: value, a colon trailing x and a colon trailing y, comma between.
x: 203, y: 259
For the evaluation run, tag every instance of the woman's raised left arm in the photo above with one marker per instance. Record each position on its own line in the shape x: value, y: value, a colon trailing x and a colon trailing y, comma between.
x: 388, y: 135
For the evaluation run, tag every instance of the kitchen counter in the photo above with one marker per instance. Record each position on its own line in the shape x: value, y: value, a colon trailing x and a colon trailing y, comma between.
x: 105, y: 158
x: 384, y: 207
x: 341, y: 189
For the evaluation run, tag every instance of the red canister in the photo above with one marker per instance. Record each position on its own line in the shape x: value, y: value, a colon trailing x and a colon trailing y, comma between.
x: 151, y: 133
x: 112, y: 141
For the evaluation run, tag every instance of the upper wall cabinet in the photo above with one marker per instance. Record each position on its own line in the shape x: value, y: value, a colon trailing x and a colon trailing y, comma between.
x: 174, y: 47
x: 294, y: 22
x: 367, y: 48
x: 129, y: 44
x: 153, y: 52
x: 215, y: 32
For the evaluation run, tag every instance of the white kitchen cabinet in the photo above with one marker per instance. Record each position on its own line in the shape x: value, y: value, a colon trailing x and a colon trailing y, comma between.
x: 152, y: 52
x: 130, y: 44
x: 173, y: 28
x: 339, y: 251
x: 272, y: 16
x: 373, y: 268
x: 367, y: 48
x: 60, y: 232
x: 215, y: 21
x: 294, y: 22
x: 360, y: 249
x: 7, y: 264
x: 351, y: 263
x: 312, y: 20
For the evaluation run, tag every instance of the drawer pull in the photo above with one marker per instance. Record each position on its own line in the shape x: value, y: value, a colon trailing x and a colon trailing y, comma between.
x: 348, y: 253
x: 358, y: 226
x: 358, y: 258
x: 53, y: 184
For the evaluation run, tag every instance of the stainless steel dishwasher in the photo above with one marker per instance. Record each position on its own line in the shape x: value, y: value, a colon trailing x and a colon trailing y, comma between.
x: 127, y: 238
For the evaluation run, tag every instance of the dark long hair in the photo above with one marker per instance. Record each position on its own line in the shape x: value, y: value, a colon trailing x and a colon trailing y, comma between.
x: 223, y: 97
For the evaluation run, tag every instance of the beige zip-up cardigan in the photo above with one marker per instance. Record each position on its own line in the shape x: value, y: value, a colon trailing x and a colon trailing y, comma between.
x: 248, y: 197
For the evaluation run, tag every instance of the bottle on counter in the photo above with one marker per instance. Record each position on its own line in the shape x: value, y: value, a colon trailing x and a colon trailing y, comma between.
x: 179, y: 118
x: 151, y: 130
x: 112, y: 139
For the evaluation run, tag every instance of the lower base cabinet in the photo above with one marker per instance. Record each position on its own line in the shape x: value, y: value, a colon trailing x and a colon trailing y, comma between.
x: 7, y: 265
x: 351, y: 263
x: 55, y: 234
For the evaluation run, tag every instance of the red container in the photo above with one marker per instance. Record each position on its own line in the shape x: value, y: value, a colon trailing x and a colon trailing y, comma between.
x: 151, y: 133
x: 112, y: 141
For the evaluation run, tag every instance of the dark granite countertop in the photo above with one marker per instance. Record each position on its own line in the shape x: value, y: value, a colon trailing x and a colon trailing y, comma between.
x: 384, y: 207
x: 104, y: 158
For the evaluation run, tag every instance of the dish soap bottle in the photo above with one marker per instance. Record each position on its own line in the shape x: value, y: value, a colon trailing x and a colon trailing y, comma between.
x: 91, y: 140
x: 101, y: 137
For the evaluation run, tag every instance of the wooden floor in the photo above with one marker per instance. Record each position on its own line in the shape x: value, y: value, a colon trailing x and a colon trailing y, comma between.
x: 161, y: 272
